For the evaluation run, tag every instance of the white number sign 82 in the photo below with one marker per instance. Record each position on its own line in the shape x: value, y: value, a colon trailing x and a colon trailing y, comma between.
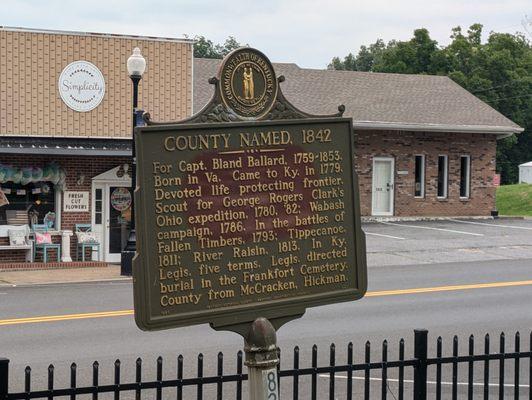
x: 270, y: 384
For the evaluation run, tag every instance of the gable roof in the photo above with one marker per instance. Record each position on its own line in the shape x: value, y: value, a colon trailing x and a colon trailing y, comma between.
x: 376, y: 100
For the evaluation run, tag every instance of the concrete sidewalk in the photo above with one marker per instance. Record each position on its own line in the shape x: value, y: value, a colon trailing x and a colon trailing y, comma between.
x: 66, y: 275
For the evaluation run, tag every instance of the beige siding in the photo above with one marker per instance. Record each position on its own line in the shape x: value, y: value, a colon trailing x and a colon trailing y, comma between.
x: 30, y: 65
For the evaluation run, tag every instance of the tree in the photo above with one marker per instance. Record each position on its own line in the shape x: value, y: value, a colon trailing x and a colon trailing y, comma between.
x: 363, y: 61
x: 411, y: 57
x: 229, y: 45
x: 499, y: 72
x: 367, y: 57
x: 204, y: 48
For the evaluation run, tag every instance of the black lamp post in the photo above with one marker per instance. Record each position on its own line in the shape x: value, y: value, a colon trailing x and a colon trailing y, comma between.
x: 136, y: 65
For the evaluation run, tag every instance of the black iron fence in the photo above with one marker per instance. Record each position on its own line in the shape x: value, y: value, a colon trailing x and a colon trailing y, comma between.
x: 484, y: 375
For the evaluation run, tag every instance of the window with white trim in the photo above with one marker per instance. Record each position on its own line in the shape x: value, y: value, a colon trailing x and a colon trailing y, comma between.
x: 465, y: 176
x: 419, y: 176
x: 29, y: 203
x: 98, y: 206
x: 443, y: 176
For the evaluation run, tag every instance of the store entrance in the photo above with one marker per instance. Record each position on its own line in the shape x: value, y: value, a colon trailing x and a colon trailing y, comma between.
x: 119, y: 212
x: 111, y: 216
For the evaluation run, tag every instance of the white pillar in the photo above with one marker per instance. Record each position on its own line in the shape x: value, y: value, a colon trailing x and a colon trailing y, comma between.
x: 65, y: 246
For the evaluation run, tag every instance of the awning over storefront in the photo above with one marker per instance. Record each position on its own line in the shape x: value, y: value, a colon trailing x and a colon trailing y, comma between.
x: 65, y: 146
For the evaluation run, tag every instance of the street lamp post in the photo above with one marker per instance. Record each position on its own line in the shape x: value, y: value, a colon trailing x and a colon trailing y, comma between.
x: 136, y: 65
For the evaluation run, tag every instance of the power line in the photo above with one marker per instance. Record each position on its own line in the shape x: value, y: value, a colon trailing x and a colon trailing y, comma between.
x: 506, y: 98
x: 499, y: 86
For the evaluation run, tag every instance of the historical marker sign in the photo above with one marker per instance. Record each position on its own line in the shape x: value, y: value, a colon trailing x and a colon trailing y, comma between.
x: 245, y: 219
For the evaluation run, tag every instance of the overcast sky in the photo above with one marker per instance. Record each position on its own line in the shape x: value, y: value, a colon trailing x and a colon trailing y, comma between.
x: 307, y: 32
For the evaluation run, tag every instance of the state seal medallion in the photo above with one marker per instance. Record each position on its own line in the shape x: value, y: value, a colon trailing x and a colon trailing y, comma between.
x: 247, y: 83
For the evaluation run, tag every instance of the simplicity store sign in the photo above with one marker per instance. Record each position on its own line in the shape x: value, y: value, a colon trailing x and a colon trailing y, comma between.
x: 81, y: 86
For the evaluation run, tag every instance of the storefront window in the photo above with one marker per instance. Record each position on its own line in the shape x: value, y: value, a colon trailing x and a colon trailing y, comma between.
x: 33, y: 203
x: 27, y: 194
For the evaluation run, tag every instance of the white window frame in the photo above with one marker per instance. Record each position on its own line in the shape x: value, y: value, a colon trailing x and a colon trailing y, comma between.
x: 468, y: 178
x: 445, y: 177
x: 422, y: 195
x: 93, y: 205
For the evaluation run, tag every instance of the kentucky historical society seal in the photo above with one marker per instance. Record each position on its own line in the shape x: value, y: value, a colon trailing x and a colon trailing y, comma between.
x: 247, y: 83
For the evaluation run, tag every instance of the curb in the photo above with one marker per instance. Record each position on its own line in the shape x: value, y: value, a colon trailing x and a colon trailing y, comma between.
x: 414, y: 219
x: 25, y: 284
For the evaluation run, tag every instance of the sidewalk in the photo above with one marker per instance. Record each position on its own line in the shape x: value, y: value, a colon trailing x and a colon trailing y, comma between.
x: 74, y: 275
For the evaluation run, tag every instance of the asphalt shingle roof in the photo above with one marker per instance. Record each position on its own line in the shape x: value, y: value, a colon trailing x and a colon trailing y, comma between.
x: 374, y: 98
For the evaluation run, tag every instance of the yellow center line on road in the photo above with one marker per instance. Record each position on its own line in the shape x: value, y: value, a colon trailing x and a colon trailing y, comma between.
x: 448, y: 288
x: 65, y: 317
x: 121, y: 313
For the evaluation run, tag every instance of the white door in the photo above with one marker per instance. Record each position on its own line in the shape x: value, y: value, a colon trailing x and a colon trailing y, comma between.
x: 118, y: 221
x: 382, y: 187
x: 111, y: 216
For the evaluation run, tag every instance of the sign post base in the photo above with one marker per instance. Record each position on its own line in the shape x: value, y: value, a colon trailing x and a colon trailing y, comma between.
x: 262, y: 359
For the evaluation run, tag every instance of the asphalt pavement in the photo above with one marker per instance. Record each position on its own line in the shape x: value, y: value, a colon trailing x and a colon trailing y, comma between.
x: 427, y: 242
x: 480, y: 281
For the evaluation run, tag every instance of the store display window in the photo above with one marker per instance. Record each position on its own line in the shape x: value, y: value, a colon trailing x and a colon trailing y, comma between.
x: 28, y: 195
x: 28, y: 204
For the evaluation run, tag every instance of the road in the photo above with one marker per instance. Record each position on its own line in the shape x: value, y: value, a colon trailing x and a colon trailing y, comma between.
x: 377, y: 317
x: 449, y: 299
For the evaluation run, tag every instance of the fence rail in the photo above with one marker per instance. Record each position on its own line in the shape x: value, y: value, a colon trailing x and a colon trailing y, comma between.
x: 420, y: 365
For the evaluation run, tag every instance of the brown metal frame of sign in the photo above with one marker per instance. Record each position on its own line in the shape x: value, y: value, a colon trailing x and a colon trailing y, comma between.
x: 281, y: 309
x: 217, y: 115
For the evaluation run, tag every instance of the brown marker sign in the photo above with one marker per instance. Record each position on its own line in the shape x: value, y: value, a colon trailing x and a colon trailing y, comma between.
x: 241, y: 220
x: 247, y: 209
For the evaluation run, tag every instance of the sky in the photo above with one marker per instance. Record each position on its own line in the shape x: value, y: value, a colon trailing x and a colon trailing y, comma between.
x: 306, y: 32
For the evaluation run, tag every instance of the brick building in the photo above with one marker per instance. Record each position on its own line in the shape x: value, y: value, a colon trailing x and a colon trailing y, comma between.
x: 65, y: 151
x: 424, y: 145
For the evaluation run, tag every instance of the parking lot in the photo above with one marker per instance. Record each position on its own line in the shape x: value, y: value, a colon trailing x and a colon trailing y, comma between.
x: 450, y: 240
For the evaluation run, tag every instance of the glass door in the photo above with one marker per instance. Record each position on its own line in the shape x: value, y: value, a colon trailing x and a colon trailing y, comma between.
x: 118, y: 221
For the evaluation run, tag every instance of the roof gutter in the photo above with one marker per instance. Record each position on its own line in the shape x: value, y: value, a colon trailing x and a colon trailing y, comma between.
x: 65, y: 151
x: 57, y: 146
x: 96, y: 34
x: 500, y: 131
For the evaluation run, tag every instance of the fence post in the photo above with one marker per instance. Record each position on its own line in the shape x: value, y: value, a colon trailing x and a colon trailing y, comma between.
x: 262, y: 360
x: 4, y: 378
x: 420, y: 370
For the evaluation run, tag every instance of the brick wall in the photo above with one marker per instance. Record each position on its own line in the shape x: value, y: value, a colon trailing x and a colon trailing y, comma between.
x: 31, y: 63
x: 403, y: 146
